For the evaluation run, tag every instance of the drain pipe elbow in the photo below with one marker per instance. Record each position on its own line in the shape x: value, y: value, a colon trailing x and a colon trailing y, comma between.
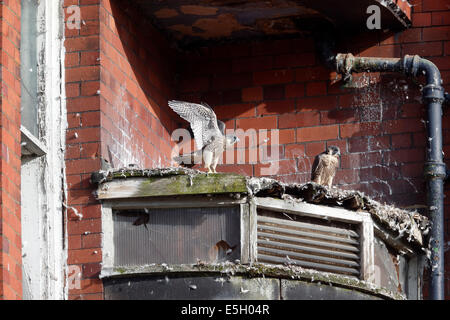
x: 433, y: 96
x: 431, y: 71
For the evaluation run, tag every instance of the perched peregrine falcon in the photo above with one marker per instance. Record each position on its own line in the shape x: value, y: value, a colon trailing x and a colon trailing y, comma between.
x: 325, y: 165
x: 209, y: 134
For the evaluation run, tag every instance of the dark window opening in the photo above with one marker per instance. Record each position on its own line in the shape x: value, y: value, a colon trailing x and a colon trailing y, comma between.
x: 176, y: 236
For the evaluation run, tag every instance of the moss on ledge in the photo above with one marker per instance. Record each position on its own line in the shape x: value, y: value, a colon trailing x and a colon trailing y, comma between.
x: 198, y: 184
x: 157, y: 183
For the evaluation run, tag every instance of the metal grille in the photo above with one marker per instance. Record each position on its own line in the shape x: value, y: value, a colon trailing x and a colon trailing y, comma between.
x: 176, y: 236
x: 308, y: 243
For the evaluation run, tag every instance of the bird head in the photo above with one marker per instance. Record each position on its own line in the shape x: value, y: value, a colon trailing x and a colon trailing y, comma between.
x: 231, y: 139
x: 334, y: 150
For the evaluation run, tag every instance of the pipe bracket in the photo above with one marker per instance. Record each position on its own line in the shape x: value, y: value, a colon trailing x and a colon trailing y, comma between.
x: 435, y: 170
x: 433, y: 93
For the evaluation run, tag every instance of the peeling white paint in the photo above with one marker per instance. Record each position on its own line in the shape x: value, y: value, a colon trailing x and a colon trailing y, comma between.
x: 44, y: 250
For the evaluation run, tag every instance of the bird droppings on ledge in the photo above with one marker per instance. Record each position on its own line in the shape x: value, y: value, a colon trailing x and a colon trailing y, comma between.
x: 406, y: 224
x: 104, y: 175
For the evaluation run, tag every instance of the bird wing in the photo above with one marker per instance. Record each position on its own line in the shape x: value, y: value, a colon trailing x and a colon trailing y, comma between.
x: 220, y: 124
x: 317, y: 167
x: 325, y: 165
x: 202, y: 118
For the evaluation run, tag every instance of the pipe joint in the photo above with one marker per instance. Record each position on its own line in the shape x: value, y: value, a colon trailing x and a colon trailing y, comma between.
x: 411, y: 65
x: 435, y: 170
x: 433, y: 93
x: 344, y: 65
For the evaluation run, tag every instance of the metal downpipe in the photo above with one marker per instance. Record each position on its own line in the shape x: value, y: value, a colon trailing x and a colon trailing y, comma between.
x: 435, y: 169
x: 435, y: 173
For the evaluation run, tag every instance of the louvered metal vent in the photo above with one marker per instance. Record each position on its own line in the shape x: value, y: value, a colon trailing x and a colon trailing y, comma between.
x: 308, y: 242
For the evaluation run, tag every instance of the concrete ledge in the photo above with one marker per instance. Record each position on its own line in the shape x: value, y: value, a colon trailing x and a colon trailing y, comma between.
x: 297, y: 282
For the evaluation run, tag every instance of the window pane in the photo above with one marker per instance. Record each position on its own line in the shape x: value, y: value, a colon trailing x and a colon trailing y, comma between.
x: 176, y: 236
x: 29, y: 63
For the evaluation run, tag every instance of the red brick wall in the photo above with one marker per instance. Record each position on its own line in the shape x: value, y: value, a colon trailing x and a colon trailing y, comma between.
x: 10, y: 227
x: 117, y: 93
x: 136, y: 82
x: 282, y: 85
x: 378, y: 125
x: 82, y: 150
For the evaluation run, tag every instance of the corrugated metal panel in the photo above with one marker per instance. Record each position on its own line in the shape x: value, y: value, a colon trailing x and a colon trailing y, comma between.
x: 176, y: 236
x: 310, y: 244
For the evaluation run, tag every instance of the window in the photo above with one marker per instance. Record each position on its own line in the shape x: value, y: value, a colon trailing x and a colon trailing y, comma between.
x: 177, y: 232
x: 29, y: 68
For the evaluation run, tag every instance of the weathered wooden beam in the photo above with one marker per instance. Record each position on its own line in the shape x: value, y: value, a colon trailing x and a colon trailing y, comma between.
x: 141, y: 187
x: 183, y: 201
x: 313, y: 210
x: 367, y: 251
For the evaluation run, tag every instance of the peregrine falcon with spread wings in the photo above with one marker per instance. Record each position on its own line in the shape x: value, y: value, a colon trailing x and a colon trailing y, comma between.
x: 325, y: 166
x: 209, y: 134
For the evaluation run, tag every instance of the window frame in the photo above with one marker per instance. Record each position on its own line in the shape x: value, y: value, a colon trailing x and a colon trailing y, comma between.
x: 248, y: 225
x: 362, y: 219
x: 108, y: 266
x: 43, y: 148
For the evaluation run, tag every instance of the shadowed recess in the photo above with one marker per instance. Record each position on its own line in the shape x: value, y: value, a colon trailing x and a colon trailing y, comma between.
x: 187, y: 21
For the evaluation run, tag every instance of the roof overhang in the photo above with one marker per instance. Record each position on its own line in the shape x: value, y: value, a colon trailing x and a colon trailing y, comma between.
x: 188, y: 21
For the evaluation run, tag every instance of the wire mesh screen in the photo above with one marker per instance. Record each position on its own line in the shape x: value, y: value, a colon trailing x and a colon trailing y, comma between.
x: 176, y: 236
